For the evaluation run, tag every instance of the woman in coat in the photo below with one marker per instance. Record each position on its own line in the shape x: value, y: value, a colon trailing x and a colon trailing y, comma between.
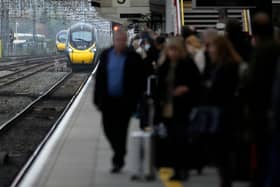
x: 221, y: 91
x: 178, y: 92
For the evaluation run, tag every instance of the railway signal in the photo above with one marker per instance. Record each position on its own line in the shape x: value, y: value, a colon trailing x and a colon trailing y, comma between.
x: 116, y: 26
x: 11, y: 36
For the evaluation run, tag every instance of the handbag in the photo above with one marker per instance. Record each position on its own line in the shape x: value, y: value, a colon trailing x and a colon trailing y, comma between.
x: 205, y: 120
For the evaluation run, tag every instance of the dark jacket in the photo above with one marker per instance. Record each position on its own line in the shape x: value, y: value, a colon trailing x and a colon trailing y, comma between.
x: 224, y: 82
x: 186, y: 74
x: 261, y: 78
x: 134, y: 81
x: 242, y: 44
x: 222, y: 93
x: 152, y: 57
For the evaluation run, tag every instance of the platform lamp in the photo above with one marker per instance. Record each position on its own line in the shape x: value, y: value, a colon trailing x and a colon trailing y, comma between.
x: 116, y: 26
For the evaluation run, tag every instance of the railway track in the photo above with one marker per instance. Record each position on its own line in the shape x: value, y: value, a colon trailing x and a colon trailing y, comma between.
x: 22, y: 136
x: 21, y: 63
x: 25, y: 72
x: 22, y: 57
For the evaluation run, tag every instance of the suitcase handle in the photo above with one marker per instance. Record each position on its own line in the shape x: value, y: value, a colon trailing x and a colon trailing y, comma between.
x: 149, y: 84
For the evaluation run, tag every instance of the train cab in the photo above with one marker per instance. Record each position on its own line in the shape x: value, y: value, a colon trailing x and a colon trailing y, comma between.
x: 61, y: 39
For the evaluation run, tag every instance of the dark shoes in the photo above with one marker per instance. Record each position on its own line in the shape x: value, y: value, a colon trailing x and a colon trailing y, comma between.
x: 180, y: 176
x: 116, y: 169
x: 176, y: 178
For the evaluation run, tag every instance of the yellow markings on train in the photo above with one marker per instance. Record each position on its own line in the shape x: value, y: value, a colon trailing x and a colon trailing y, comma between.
x: 165, y: 174
x: 61, y: 46
x: 81, y: 57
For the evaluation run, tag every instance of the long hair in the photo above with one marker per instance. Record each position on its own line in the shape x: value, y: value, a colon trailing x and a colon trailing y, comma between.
x: 194, y: 42
x: 178, y: 43
x: 226, y: 51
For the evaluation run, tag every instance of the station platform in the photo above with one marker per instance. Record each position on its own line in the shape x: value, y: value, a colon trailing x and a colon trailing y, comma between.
x: 78, y: 155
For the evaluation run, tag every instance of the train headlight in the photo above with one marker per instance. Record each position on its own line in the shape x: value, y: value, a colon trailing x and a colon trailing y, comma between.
x: 70, y: 50
x: 93, y: 49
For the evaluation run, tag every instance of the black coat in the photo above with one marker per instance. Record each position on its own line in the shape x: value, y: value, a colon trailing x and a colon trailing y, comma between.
x: 186, y: 74
x: 261, y: 78
x: 152, y: 57
x: 241, y: 43
x: 224, y: 82
x: 222, y: 94
x: 134, y: 81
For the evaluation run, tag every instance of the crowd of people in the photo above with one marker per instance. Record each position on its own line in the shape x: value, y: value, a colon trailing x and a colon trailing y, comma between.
x: 216, y: 96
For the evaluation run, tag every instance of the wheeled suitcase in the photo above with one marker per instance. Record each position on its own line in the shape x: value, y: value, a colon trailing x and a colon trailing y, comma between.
x: 147, y: 104
x: 142, y: 141
x: 142, y: 156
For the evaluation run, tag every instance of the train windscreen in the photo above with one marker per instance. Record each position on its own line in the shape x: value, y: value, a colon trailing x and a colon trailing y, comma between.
x: 62, y: 38
x: 82, y: 36
x: 82, y: 39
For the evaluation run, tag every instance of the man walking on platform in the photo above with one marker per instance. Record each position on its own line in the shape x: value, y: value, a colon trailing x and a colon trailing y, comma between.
x: 264, y: 104
x: 120, y: 80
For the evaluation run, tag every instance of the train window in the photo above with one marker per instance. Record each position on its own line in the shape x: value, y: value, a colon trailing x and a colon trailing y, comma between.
x: 85, y: 36
x: 62, y: 38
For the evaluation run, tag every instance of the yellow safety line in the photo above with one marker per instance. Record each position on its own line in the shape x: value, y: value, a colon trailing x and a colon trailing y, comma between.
x: 245, y: 17
x: 182, y: 12
x: 165, y: 174
x: 247, y: 24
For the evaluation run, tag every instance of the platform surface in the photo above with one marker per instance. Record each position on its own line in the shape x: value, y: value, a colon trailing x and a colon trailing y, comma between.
x: 81, y: 157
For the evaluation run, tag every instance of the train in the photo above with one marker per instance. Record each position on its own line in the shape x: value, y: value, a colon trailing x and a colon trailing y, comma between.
x: 61, y: 39
x: 24, y: 44
x: 85, y: 42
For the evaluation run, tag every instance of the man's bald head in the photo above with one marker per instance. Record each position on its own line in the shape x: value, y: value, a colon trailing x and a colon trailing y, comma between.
x: 120, y: 40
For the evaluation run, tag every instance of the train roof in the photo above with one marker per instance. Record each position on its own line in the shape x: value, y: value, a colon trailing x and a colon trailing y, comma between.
x: 29, y: 35
x: 81, y: 26
x: 62, y: 32
x: 99, y: 25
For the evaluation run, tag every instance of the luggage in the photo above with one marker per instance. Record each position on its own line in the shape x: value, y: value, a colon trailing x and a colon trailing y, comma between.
x: 147, y: 104
x: 143, y: 140
x: 142, y: 156
x: 205, y: 120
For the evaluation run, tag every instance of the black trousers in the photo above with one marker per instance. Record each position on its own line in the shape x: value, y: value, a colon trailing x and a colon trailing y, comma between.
x: 220, y: 149
x: 262, y: 151
x: 177, y: 145
x: 115, y: 118
x: 224, y: 165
